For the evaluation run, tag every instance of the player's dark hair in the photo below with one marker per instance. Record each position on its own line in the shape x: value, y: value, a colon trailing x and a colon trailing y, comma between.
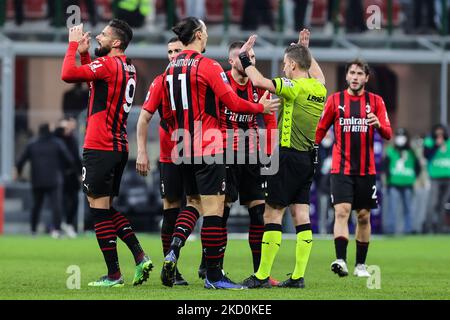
x: 186, y: 29
x: 173, y: 39
x: 236, y: 45
x: 300, y: 55
x: 123, y: 31
x: 360, y: 63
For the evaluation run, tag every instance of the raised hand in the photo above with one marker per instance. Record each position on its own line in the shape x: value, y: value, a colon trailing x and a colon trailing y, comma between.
x: 249, y: 44
x: 85, y: 43
x: 303, y: 38
x: 76, y: 33
x: 270, y: 105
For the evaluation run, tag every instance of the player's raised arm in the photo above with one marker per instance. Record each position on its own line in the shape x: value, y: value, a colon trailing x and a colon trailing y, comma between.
x: 254, y: 75
x: 315, y: 71
x: 219, y: 84
x: 70, y: 72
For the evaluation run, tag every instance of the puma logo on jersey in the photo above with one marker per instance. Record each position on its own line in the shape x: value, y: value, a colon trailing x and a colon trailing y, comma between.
x: 342, y: 108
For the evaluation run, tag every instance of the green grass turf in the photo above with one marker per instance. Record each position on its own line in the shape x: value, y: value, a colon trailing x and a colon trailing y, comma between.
x: 411, y: 268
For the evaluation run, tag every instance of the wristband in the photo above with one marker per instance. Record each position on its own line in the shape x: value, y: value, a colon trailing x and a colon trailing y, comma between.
x: 245, y: 60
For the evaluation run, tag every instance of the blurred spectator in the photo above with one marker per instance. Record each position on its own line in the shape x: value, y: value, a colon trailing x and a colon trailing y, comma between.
x: 256, y: 12
x: 195, y: 8
x: 402, y: 168
x: 75, y: 100
x: 354, y: 18
x: 133, y: 12
x: 48, y: 156
x: 72, y: 174
x: 437, y: 152
x: 322, y: 179
x: 300, y: 7
x: 18, y: 9
x: 422, y: 25
x: 332, y: 12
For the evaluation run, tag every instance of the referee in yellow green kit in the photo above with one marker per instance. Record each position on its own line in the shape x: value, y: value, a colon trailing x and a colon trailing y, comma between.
x: 303, y: 95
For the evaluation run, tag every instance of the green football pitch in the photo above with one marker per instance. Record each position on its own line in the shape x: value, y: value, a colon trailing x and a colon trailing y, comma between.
x: 410, y: 268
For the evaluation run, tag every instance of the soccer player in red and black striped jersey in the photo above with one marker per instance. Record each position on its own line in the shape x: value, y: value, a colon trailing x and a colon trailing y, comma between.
x: 112, y: 81
x: 170, y: 174
x: 240, y: 130
x: 355, y: 114
x: 194, y: 85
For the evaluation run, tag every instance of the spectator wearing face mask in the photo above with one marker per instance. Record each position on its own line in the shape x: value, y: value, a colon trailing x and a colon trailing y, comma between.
x: 437, y: 153
x: 402, y: 168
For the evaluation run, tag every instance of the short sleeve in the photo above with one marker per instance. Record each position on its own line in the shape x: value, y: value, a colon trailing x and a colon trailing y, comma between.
x: 285, y: 88
x: 216, y: 78
x: 154, y: 95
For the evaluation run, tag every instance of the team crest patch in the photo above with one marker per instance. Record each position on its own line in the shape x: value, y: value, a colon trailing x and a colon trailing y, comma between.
x: 287, y: 82
x: 255, y: 96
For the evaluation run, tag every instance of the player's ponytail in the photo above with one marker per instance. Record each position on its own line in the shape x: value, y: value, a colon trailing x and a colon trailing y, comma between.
x: 186, y: 29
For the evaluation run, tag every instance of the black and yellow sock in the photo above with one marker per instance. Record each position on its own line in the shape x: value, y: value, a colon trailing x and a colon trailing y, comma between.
x: 303, y: 249
x: 271, y: 242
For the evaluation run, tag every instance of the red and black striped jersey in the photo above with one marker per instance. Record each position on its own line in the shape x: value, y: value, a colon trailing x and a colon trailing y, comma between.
x: 247, y: 123
x: 153, y: 103
x: 194, y: 85
x: 112, y: 82
x: 353, y: 146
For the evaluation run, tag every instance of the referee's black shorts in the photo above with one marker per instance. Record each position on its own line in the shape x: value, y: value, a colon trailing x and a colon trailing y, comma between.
x: 292, y: 183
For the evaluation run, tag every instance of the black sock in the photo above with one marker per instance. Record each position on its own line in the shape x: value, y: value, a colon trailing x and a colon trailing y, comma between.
x: 361, y: 252
x: 256, y: 232
x: 340, y: 244
x: 107, y: 240
x: 212, y: 235
x: 226, y: 214
x: 126, y: 234
x: 168, y: 225
x: 186, y: 220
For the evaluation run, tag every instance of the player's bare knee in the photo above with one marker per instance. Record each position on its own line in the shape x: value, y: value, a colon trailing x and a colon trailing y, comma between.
x: 342, y: 212
x: 273, y: 214
x: 363, y: 219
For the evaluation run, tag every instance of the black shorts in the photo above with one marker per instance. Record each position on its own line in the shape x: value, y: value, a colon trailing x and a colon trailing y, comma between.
x: 244, y: 181
x: 292, y: 183
x: 102, y: 172
x: 171, y: 181
x: 360, y: 191
x: 204, y: 179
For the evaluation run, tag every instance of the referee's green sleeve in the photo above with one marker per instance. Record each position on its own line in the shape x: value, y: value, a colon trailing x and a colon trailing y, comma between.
x: 285, y: 88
